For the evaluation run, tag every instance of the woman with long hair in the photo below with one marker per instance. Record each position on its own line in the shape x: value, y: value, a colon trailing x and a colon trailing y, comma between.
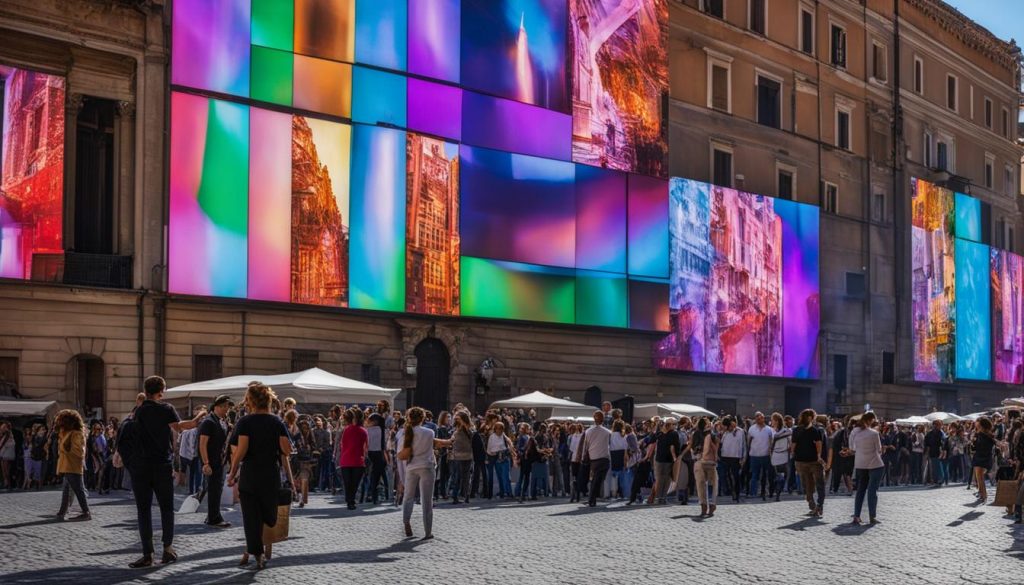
x: 7, y: 453
x: 984, y: 447
x: 500, y: 456
x: 704, y: 444
x: 866, y: 446
x: 780, y: 454
x: 263, y: 446
x: 71, y: 461
x: 352, y: 459
x: 461, y: 458
x: 418, y: 444
x: 306, y: 456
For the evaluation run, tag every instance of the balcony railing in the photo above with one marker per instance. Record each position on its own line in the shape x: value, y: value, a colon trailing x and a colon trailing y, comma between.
x: 102, y: 270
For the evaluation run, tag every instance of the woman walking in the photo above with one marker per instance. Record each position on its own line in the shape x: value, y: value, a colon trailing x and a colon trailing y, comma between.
x: 418, y: 444
x: 354, y: 446
x: 461, y: 457
x: 780, y: 454
x: 306, y: 457
x: 263, y: 446
x: 71, y: 461
x: 984, y: 445
x: 704, y: 444
x: 865, y: 445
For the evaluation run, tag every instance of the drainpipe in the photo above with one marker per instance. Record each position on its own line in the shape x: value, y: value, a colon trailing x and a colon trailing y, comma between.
x: 140, y: 304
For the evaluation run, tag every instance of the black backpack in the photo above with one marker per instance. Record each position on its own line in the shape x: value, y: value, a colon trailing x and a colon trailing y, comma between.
x: 127, y: 441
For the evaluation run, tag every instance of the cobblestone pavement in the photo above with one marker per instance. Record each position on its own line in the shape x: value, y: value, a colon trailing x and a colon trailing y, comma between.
x: 926, y: 536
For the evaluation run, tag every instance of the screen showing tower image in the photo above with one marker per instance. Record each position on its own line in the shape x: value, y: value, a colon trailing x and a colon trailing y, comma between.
x: 735, y: 306
x: 31, y: 173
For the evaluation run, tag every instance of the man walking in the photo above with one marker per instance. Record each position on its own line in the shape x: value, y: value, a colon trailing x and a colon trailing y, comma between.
x: 734, y: 451
x: 596, y: 445
x: 760, y: 446
x: 213, y: 436
x: 150, y: 467
x: 933, y: 443
x: 807, y: 449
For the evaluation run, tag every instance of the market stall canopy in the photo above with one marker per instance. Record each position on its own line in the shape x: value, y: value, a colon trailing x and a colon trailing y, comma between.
x: 25, y: 407
x: 541, y: 400
x: 1014, y: 402
x: 976, y: 415
x: 312, y: 385
x: 913, y: 421
x: 650, y: 410
x: 945, y: 417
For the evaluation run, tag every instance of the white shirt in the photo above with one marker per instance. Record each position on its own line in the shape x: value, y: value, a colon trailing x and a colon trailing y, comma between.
x: 596, y: 440
x: 187, y: 444
x: 780, y: 446
x: 496, y: 442
x: 734, y: 443
x: 574, y: 443
x: 422, y: 449
x: 866, y: 445
x: 760, y: 440
x: 618, y: 442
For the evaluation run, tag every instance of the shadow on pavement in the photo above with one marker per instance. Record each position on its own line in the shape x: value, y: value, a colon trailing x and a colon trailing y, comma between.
x: 804, y: 524
x: 852, y: 529
x: 966, y: 518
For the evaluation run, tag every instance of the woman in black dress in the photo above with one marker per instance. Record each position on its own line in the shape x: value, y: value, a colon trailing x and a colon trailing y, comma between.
x: 984, y: 444
x: 263, y: 445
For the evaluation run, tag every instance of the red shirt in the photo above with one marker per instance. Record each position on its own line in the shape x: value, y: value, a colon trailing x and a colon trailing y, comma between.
x: 353, y: 445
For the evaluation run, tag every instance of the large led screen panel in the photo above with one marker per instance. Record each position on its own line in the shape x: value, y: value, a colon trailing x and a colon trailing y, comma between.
x: 602, y: 299
x: 31, y: 173
x: 210, y: 45
x: 517, y: 49
x: 273, y: 24
x: 511, y: 290
x: 973, y: 321
x: 208, y: 238
x: 511, y: 126
x: 968, y: 217
x: 1007, y: 319
x: 728, y: 287
x: 319, y: 214
x: 600, y: 219
x: 381, y: 37
x: 432, y: 240
x: 435, y: 39
x: 270, y: 205
x: 325, y: 28
x: 517, y: 208
x: 648, y: 234
x: 933, y: 283
x: 377, y: 261
x: 619, y: 81
x: 435, y: 109
x: 648, y: 304
x: 379, y: 97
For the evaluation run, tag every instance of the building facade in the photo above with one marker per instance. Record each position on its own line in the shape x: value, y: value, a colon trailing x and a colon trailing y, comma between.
x: 833, y: 102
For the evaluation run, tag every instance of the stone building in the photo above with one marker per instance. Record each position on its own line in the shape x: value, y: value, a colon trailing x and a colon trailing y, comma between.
x: 832, y: 102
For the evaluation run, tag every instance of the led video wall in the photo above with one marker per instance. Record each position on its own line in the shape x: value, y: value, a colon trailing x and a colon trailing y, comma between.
x: 967, y: 299
x: 31, y: 171
x: 488, y: 158
x: 744, y: 284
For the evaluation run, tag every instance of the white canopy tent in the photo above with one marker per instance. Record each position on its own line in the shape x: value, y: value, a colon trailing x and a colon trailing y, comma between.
x: 945, y: 417
x: 26, y: 407
x: 541, y: 400
x: 650, y: 410
x: 975, y: 415
x: 310, y: 386
x: 913, y: 421
x: 1014, y: 402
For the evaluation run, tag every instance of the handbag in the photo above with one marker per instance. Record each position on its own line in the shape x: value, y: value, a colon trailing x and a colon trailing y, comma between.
x: 1006, y: 493
x: 279, y: 531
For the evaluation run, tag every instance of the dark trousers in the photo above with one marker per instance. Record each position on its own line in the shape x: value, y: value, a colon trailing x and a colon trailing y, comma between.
x: 351, y: 476
x: 731, y: 466
x: 460, y: 478
x: 476, y: 484
x: 148, y: 481
x: 598, y: 471
x: 377, y: 473
x: 214, y: 491
x: 525, y: 470
x: 73, y: 483
x: 258, y: 509
x: 641, y: 476
x: 582, y: 474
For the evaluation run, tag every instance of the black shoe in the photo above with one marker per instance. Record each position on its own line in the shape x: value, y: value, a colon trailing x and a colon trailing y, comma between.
x: 169, y: 555
x: 145, y: 561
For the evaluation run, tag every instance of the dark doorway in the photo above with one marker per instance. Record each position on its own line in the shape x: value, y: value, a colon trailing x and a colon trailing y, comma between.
x: 94, y: 177
x: 721, y: 406
x: 592, y: 396
x: 432, y: 375
x: 797, y: 399
x: 88, y: 384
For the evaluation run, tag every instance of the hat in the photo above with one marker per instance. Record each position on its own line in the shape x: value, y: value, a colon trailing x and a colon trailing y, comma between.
x: 222, y: 399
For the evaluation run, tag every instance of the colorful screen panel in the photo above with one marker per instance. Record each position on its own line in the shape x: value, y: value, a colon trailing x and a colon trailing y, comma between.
x: 210, y: 45
x: 515, y: 127
x: 516, y: 49
x: 270, y: 205
x: 620, y: 80
x: 729, y: 291
x: 435, y: 40
x: 512, y: 290
x: 933, y: 283
x: 435, y: 109
x: 973, y: 321
x: 648, y: 226
x: 602, y: 299
x: 31, y: 173
x: 600, y: 219
x: 1007, y: 318
x: 381, y: 33
x: 325, y: 28
x: 968, y: 217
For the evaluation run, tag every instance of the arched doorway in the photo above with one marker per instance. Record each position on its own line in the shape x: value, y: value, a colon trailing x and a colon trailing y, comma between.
x: 87, y: 381
x: 433, y: 368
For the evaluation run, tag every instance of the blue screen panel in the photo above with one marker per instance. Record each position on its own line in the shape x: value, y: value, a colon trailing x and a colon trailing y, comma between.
x: 378, y: 97
x: 381, y: 33
x: 973, y: 324
x: 968, y: 217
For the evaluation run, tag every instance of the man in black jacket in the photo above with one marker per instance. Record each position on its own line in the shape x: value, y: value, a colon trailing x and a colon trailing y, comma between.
x: 933, y: 444
x: 213, y: 434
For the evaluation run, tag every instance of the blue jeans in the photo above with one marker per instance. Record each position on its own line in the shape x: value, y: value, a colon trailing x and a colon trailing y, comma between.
x: 195, y: 475
x: 938, y: 470
x: 760, y: 467
x: 867, y: 483
x: 623, y: 479
x: 539, y: 479
x: 501, y: 469
x: 326, y: 479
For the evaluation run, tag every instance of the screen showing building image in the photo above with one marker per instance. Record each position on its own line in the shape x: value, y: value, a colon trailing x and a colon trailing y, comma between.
x: 1007, y: 307
x: 932, y: 280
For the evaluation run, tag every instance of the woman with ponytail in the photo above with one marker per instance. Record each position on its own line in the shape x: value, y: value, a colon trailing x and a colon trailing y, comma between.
x: 417, y: 450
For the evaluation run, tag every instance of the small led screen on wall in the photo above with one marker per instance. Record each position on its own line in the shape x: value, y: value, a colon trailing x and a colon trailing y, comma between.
x: 736, y: 306
x: 31, y: 173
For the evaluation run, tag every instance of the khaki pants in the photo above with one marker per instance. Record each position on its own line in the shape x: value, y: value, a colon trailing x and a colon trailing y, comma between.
x: 706, y: 476
x: 662, y: 478
x: 812, y: 479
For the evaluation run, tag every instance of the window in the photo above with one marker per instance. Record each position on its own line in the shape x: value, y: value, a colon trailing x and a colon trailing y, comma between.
x: 855, y: 285
x: 721, y: 161
x: 806, y: 30
x: 1006, y: 123
x: 880, y: 62
x: 990, y: 170
x: 769, y: 102
x: 304, y: 359
x: 878, y: 207
x: 8, y: 367
x: 1008, y: 184
x: 952, y: 97
x: 927, y: 158
x: 758, y: 15
x: 988, y: 113
x: 207, y: 367
x: 714, y: 8
x: 1008, y: 239
x: 94, y: 177
x: 719, y: 81
x: 918, y: 75
x: 888, y: 367
x: 843, y: 139
x: 839, y: 371
x: 970, y: 100
x: 944, y: 156
x: 830, y: 197
x: 370, y: 373
x: 838, y: 46
x: 786, y: 181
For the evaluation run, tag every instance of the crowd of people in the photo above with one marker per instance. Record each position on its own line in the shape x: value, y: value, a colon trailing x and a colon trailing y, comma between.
x: 270, y: 451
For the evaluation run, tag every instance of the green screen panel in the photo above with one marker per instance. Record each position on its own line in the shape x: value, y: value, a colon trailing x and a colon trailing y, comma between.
x: 272, y: 24
x: 271, y: 79
x: 601, y: 299
x: 511, y: 290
